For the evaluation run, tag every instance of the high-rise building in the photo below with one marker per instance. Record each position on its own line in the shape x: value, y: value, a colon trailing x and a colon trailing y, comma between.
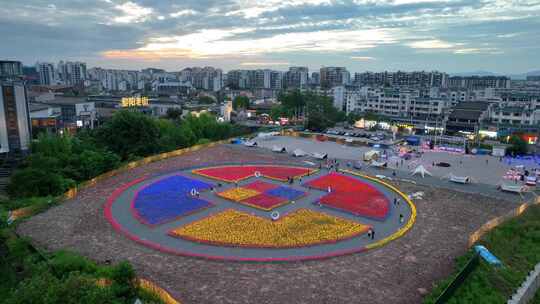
x: 334, y: 76
x: 276, y: 80
x: 207, y: 78
x: 14, y: 118
x: 71, y: 73
x: 479, y: 82
x: 417, y: 79
x: 297, y: 77
x: 46, y: 73
x: 239, y: 79
x: 315, y: 78
x: 10, y: 69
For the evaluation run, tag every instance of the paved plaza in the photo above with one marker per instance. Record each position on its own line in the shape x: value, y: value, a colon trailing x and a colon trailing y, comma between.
x: 484, y: 169
x: 399, y: 272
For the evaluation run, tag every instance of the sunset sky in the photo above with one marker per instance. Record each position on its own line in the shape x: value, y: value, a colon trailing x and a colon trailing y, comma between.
x: 453, y: 36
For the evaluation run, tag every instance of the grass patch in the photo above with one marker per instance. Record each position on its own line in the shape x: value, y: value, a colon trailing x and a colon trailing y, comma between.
x: 27, y: 276
x: 515, y: 243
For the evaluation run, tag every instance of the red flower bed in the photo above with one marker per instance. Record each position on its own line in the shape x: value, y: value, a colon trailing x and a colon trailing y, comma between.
x: 352, y: 195
x: 237, y: 173
x: 265, y: 201
x: 260, y: 186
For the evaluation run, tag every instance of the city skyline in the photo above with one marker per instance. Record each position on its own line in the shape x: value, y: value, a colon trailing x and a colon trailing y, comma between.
x: 450, y: 36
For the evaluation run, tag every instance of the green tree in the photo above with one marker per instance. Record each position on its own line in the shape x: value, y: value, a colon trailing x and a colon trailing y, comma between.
x: 241, y: 102
x: 173, y: 114
x: 294, y: 102
x: 353, y: 117
x: 321, y: 113
x: 206, y: 100
x: 518, y: 145
x: 173, y: 136
x: 130, y: 134
x: 278, y: 111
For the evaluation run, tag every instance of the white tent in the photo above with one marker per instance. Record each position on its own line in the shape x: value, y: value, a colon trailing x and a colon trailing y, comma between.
x: 299, y: 153
x: 371, y: 155
x: 513, y: 188
x: 250, y: 143
x: 267, y: 135
x: 459, y: 179
x: 279, y: 149
x: 320, y: 155
x: 379, y: 164
x: 422, y: 171
x: 531, y: 180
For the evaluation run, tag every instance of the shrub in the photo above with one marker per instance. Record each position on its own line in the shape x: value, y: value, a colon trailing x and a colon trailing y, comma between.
x: 65, y: 262
x: 37, y: 182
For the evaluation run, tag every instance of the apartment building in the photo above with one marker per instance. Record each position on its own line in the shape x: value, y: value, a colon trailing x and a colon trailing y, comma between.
x: 296, y: 77
x: 479, y: 82
x: 334, y: 76
x: 417, y: 79
x: 15, y: 131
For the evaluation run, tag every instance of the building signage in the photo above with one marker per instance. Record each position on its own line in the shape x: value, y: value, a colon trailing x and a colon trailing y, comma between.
x: 134, y: 102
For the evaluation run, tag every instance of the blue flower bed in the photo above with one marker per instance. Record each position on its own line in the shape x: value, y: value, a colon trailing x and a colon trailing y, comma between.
x: 169, y: 199
x: 286, y: 192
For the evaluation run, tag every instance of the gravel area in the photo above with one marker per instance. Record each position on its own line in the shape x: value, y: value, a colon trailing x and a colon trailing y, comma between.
x: 399, y: 272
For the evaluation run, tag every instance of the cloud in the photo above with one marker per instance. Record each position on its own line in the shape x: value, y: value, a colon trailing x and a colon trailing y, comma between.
x: 468, y: 51
x: 132, y: 13
x: 207, y: 43
x: 431, y: 44
x: 185, y: 12
x: 265, y: 63
x: 362, y: 58
x: 310, y: 32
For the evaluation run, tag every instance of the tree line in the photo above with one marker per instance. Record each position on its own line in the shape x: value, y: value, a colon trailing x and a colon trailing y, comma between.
x: 58, y: 162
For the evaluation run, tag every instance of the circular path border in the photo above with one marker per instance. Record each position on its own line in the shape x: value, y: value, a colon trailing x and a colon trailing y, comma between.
x: 399, y: 233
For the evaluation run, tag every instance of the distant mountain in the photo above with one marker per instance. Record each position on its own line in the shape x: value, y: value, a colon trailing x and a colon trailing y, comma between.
x: 521, y: 76
x: 475, y: 73
x: 524, y: 76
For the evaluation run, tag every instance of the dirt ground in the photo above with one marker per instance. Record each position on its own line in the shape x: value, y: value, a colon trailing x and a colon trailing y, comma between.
x: 395, y: 273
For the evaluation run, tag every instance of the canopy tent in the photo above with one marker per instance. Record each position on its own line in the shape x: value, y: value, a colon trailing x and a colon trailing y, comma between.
x: 422, y: 171
x: 512, y: 188
x: 379, y: 164
x: 530, y: 180
x: 320, y: 155
x: 298, y: 153
x: 279, y: 149
x: 250, y: 143
x: 267, y: 134
x: 459, y: 179
x: 372, y: 155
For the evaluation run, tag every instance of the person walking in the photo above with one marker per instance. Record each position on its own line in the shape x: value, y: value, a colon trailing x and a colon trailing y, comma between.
x: 401, y: 218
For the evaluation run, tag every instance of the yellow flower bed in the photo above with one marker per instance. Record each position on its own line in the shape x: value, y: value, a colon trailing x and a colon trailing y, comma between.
x: 303, y: 227
x: 238, y: 194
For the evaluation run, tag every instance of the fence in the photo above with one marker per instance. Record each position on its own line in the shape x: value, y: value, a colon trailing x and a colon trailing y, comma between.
x: 458, y: 280
x: 473, y: 238
x: 528, y: 288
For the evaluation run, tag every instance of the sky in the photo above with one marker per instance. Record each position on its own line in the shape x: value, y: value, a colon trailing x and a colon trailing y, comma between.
x: 501, y: 36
